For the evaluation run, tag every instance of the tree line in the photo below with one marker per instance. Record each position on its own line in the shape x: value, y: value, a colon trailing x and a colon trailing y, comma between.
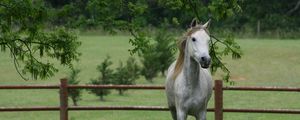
x: 258, y: 17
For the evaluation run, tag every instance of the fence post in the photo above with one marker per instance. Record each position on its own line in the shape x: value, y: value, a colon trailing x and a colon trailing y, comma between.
x: 218, y: 100
x: 63, y: 99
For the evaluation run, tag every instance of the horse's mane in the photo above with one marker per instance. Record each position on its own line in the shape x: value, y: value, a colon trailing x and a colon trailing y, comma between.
x: 181, y: 45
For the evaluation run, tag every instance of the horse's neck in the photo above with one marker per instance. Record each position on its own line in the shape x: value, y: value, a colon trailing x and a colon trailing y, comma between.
x: 191, y: 70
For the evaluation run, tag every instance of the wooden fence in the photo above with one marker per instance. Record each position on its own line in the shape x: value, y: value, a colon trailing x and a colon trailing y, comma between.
x: 218, y: 93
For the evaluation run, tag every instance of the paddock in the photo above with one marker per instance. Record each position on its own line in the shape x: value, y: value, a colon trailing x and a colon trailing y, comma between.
x: 218, y: 94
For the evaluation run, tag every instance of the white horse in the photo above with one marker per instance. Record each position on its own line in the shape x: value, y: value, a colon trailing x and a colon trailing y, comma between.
x: 189, y: 82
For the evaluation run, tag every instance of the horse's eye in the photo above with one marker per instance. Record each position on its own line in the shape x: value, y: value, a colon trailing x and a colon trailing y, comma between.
x: 193, y: 39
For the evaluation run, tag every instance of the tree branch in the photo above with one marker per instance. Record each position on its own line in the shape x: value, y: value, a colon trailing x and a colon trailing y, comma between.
x: 219, y: 61
x: 31, y: 57
x: 222, y: 43
x: 16, y: 63
x: 194, y: 9
x: 132, y: 33
x: 3, y: 5
x: 40, y: 43
x: 30, y: 52
x: 295, y: 8
x: 205, y: 2
x: 3, y: 43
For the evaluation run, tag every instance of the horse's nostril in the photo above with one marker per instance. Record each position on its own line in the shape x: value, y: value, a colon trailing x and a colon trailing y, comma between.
x: 202, y: 58
x: 205, y: 59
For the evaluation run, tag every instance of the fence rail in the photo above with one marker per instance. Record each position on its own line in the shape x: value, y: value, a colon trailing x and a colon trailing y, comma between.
x: 134, y: 108
x: 145, y: 87
x: 285, y: 89
x: 24, y: 109
x: 29, y: 87
x: 218, y: 93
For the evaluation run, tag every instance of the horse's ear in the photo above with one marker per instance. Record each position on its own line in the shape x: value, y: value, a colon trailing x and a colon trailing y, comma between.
x: 194, y: 22
x: 206, y: 25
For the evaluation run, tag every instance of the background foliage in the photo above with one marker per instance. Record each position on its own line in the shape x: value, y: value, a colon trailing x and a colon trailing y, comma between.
x: 31, y: 29
x: 241, y: 16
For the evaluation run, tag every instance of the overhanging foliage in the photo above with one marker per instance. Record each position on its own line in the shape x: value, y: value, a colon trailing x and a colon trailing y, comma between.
x: 23, y: 34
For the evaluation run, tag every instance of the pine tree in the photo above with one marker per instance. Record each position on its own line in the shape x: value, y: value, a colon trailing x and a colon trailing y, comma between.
x: 159, y: 55
x: 105, y: 78
x: 74, y: 94
x: 126, y: 75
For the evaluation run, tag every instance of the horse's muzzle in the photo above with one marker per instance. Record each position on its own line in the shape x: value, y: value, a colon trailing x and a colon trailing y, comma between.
x: 205, y: 62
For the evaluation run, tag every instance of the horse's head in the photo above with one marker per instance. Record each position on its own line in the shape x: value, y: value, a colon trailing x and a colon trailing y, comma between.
x: 194, y: 43
x: 198, y: 43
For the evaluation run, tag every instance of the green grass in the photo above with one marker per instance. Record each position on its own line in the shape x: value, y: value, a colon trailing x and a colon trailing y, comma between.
x: 265, y: 63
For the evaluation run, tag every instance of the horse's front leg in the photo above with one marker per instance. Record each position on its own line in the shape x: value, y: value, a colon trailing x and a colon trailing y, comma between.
x: 173, y: 112
x: 181, y: 114
x: 201, y: 115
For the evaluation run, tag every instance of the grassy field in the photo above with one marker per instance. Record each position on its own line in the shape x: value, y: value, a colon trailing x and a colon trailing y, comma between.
x: 265, y: 63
